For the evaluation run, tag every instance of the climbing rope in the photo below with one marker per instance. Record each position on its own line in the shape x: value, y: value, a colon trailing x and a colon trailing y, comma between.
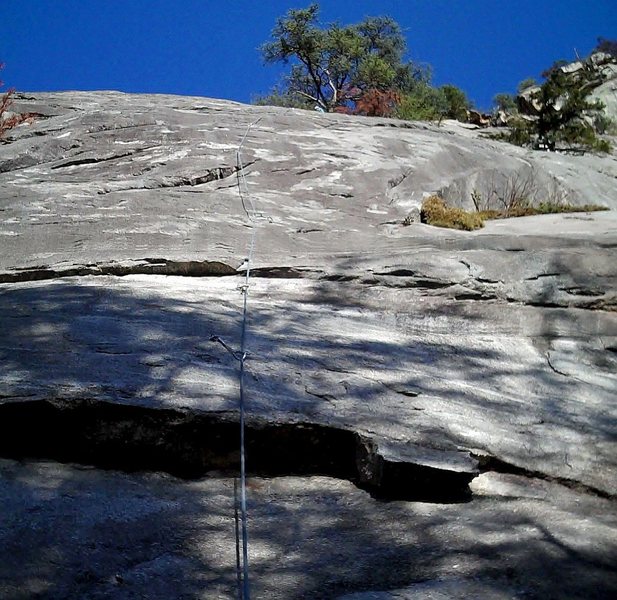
x: 246, y: 199
x: 242, y: 560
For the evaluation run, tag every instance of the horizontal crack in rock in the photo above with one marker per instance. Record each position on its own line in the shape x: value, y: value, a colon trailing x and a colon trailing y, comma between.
x: 541, y: 276
x: 90, y: 161
x: 147, y: 266
x: 488, y: 463
x: 475, y: 295
x: 579, y: 291
x: 308, y: 230
x: 192, y: 444
x: 215, y: 174
x: 283, y: 272
x: 321, y: 395
x: 411, y: 280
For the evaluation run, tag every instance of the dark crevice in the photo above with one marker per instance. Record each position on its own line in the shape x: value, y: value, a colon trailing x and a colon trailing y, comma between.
x: 210, y: 175
x: 488, y: 464
x: 552, y: 367
x: 578, y: 291
x: 283, y: 272
x: 321, y: 396
x: 607, y: 304
x: 398, y: 125
x: 402, y: 389
x: 111, y: 349
x: 541, y: 276
x: 104, y: 129
x: 398, y: 273
x: 339, y: 277
x: 475, y: 295
x: 337, y: 155
x: 603, y: 304
x: 537, y: 303
x: 396, y: 181
x: 411, y: 280
x: 215, y: 174
x: 91, y: 160
x: 192, y: 445
x: 401, y: 278
x: 147, y: 266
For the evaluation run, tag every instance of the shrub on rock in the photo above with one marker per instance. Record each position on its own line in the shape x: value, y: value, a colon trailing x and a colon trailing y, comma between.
x: 8, y: 119
x: 436, y: 212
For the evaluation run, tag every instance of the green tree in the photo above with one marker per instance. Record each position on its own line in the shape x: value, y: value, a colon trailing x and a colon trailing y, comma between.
x: 563, y: 107
x: 333, y: 66
x: 607, y: 46
x: 423, y: 103
x: 527, y: 83
x: 562, y: 112
x: 505, y: 102
x: 457, y: 103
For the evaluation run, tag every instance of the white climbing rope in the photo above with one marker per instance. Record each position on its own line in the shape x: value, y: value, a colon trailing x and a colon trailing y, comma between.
x: 242, y: 560
x: 249, y: 209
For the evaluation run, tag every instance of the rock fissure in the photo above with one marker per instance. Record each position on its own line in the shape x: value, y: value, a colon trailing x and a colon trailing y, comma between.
x: 553, y: 368
x: 91, y: 160
x: 214, y: 174
x: 399, y: 278
x: 492, y: 464
x: 396, y: 181
x: 284, y: 272
x: 542, y: 276
x: 191, y: 445
x: 147, y: 266
x: 578, y: 291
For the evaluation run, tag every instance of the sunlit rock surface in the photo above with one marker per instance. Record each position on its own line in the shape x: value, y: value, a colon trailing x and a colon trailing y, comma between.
x: 485, y: 360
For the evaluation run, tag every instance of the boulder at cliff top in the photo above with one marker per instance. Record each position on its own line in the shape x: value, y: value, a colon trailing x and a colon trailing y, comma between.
x: 425, y: 365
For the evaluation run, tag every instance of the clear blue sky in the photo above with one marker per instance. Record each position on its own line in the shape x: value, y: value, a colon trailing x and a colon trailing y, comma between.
x: 209, y: 47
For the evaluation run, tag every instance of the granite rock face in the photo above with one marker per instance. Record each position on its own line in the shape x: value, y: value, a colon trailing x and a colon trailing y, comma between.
x: 424, y: 365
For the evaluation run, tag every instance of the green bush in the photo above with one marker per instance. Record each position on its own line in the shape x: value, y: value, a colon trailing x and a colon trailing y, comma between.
x: 285, y: 99
x: 427, y: 103
x: 505, y: 102
x: 457, y: 103
x: 424, y: 103
x: 521, y: 132
x: 526, y: 84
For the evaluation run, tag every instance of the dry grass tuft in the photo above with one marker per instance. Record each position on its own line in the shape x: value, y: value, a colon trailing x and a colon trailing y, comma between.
x: 436, y: 212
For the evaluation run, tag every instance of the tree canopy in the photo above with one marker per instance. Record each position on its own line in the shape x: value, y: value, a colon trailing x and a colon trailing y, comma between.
x: 336, y: 65
x: 564, y: 103
x: 608, y: 46
x: 560, y: 111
